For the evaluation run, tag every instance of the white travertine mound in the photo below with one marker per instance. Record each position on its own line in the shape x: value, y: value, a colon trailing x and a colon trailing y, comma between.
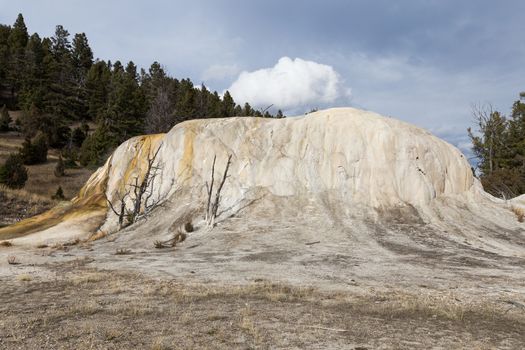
x: 369, y: 159
x: 335, y: 166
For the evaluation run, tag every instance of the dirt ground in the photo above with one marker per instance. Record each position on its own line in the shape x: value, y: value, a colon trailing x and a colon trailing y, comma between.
x: 74, y: 306
x: 263, y: 284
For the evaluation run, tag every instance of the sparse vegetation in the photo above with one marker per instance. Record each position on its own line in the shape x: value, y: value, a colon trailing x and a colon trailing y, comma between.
x: 257, y: 315
x: 11, y: 260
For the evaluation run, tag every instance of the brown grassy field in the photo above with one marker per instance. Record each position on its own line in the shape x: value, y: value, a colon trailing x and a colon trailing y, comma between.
x: 42, y: 183
x: 97, y: 309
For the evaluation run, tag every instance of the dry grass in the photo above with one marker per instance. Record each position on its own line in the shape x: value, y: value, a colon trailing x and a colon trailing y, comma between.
x: 16, y: 205
x: 24, y: 277
x: 42, y: 181
x: 85, y: 278
x: 25, y: 195
x: 519, y: 212
x: 108, y: 309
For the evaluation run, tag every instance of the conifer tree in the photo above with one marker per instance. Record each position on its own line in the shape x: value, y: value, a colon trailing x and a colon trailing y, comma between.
x: 499, y: 144
x: 60, y: 168
x: 17, y: 42
x: 228, y: 105
x: 13, y: 173
x: 5, y: 119
x: 98, y: 82
x: 81, y: 54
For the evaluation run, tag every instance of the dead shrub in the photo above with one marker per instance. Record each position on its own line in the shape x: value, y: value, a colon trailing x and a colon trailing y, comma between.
x: 122, y: 251
x: 6, y: 244
x: 188, y: 227
x: 159, y: 244
x: 177, y: 238
x: 71, y: 243
x: 11, y: 260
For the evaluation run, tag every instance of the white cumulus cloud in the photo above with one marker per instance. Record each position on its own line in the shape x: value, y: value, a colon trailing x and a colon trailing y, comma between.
x: 290, y: 84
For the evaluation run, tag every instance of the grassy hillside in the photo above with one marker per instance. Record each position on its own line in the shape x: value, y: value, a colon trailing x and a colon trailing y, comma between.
x: 35, y: 197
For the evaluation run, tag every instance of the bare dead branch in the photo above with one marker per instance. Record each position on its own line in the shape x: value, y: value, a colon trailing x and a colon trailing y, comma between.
x: 212, y: 208
x: 210, y: 188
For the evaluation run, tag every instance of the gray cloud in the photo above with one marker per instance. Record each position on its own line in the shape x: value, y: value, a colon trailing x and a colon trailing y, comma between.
x: 422, y: 61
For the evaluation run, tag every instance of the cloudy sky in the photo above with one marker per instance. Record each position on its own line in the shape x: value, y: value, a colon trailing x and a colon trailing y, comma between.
x: 423, y: 61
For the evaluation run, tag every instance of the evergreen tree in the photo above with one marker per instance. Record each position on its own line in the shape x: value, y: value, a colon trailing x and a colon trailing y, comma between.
x: 77, y: 137
x: 228, y: 105
x: 247, y: 110
x: 61, y: 46
x: 17, y: 42
x: 59, y: 194
x: 96, y: 147
x: 33, y: 87
x: 60, y: 168
x: 5, y: 32
x: 127, y: 106
x: 5, y: 119
x: 19, y: 36
x: 13, y: 174
x: 81, y: 54
x: 98, y: 82
x: 34, y: 151
x: 499, y: 145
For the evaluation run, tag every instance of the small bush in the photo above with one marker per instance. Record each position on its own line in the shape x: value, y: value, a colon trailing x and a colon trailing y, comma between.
x: 122, y: 251
x: 159, y: 244
x: 78, y: 136
x: 59, y: 194
x: 34, y: 151
x: 177, y: 238
x: 60, y: 168
x: 13, y: 173
x: 11, y: 260
x: 6, y: 244
x: 188, y: 227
